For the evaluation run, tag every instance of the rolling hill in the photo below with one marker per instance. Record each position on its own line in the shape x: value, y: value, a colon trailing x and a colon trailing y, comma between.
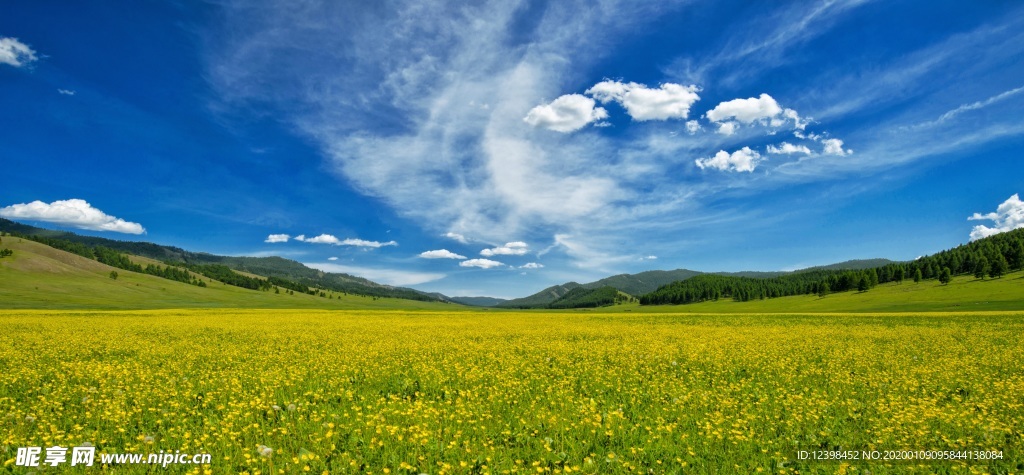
x: 263, y: 266
x: 37, y: 276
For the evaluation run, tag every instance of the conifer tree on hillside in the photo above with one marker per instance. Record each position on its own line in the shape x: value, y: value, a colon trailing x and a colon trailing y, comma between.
x: 998, y: 267
x: 945, y: 276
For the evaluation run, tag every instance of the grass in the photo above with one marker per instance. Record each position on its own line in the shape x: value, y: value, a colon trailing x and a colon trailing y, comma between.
x: 38, y: 276
x: 394, y: 392
x: 964, y: 293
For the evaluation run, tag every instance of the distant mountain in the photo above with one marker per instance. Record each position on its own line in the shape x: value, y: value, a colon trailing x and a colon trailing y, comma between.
x: 478, y: 301
x: 856, y: 264
x: 263, y: 266
x: 632, y: 284
x: 649, y: 281
x: 541, y: 299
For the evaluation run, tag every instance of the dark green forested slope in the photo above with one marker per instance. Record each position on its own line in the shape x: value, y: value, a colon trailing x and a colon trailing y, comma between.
x: 985, y: 258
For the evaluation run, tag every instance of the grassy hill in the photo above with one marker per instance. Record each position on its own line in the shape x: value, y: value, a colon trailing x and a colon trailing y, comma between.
x: 262, y: 266
x: 964, y: 293
x: 41, y: 277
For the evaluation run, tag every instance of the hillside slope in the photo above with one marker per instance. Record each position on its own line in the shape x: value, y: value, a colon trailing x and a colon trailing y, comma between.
x: 963, y: 293
x: 262, y: 266
x: 41, y: 277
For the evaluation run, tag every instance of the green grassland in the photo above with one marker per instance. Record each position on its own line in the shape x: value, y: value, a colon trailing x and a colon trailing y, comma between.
x: 38, y: 276
x: 964, y: 293
x: 398, y: 393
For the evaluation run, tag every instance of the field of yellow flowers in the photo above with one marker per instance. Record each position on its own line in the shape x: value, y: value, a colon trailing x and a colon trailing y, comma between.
x: 286, y: 392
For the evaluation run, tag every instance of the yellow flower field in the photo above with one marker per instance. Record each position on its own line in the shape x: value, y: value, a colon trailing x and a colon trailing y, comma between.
x: 505, y: 392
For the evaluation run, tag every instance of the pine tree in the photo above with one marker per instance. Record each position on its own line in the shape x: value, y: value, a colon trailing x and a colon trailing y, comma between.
x: 981, y: 268
x: 999, y: 267
x: 917, y: 276
x: 945, y: 276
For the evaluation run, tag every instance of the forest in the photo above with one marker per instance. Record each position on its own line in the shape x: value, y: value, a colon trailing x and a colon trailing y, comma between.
x: 990, y: 257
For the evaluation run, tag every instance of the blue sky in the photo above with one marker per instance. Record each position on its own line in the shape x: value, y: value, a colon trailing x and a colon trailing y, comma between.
x: 533, y: 142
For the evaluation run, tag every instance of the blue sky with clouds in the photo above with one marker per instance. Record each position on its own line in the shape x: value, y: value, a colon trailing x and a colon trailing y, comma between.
x: 496, y: 148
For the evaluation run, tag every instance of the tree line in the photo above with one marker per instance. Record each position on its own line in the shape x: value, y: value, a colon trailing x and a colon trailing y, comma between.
x: 989, y: 257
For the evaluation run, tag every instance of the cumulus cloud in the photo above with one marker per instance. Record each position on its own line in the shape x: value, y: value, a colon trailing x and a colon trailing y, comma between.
x: 834, y: 147
x: 566, y: 114
x: 532, y: 265
x: 15, y: 53
x: 74, y: 212
x: 481, y: 263
x: 1007, y: 217
x: 786, y: 148
x: 355, y: 242
x: 277, y: 238
x: 764, y: 110
x: 742, y: 160
x: 745, y: 110
x: 728, y: 127
x: 670, y: 101
x: 515, y: 248
x: 440, y: 254
x: 693, y: 127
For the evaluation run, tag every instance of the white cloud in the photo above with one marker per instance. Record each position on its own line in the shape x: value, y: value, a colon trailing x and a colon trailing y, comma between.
x: 324, y: 239
x: 515, y: 248
x: 728, y: 127
x: 949, y: 115
x: 532, y: 265
x: 364, y: 243
x: 332, y: 258
x: 74, y: 212
x: 670, y: 101
x: 481, y: 263
x: 277, y: 238
x: 457, y: 237
x: 568, y: 113
x: 1007, y: 217
x: 786, y: 148
x: 331, y: 239
x: 383, y: 276
x: 834, y: 147
x: 440, y: 254
x: 649, y: 258
x: 15, y: 53
x: 65, y: 92
x: 745, y: 110
x: 692, y: 127
x: 763, y: 110
x: 742, y: 160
